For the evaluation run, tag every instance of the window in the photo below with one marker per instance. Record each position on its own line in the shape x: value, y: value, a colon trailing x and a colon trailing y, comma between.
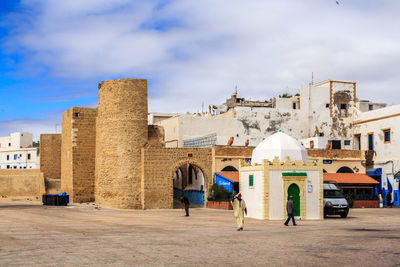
x: 346, y: 142
x: 371, y: 141
x: 8, y: 157
x: 311, y: 144
x: 8, y: 166
x: 370, y: 107
x: 15, y: 156
x: 251, y: 180
x: 9, y: 144
x: 386, y: 134
x: 29, y: 156
x: 77, y: 114
x: 15, y: 167
x: 357, y: 138
x: 294, y: 105
x: 343, y: 110
x: 327, y: 105
x: 336, y: 144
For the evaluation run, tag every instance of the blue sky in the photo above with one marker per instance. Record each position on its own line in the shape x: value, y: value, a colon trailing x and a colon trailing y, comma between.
x: 54, y: 53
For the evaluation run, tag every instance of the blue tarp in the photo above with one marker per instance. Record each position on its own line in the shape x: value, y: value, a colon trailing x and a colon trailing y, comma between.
x: 222, y: 181
x: 375, y: 172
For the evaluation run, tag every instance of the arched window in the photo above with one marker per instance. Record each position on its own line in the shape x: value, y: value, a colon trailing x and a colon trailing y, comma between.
x: 345, y: 170
x: 229, y: 169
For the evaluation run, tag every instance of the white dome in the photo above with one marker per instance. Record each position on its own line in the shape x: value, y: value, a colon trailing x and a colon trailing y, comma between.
x: 279, y: 145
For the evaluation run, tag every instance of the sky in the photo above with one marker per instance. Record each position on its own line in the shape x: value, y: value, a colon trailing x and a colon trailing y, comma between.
x: 54, y: 53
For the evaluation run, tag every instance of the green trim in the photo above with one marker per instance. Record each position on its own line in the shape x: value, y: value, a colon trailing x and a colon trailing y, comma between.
x: 294, y: 174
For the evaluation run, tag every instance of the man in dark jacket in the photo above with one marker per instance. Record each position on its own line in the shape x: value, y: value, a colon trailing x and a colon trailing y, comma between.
x: 290, y: 210
x: 186, y: 202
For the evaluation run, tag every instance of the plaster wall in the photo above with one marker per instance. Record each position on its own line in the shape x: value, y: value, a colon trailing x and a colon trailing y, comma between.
x: 275, y: 195
x: 313, y: 199
x: 320, y: 104
x: 253, y: 196
x: 19, y: 158
x: 16, y: 140
x: 387, y: 154
x: 253, y: 124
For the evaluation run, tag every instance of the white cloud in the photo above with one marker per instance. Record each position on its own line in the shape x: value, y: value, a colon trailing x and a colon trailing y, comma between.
x: 34, y: 126
x: 206, y: 47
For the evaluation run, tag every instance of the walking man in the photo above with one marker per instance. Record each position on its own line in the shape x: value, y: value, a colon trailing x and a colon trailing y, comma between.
x: 290, y: 210
x: 239, y: 208
x: 185, y: 202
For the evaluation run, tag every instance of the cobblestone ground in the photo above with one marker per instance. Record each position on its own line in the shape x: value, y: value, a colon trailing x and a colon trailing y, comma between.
x: 33, y: 235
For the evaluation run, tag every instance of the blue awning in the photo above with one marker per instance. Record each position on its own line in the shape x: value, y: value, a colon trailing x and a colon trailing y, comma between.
x: 375, y: 172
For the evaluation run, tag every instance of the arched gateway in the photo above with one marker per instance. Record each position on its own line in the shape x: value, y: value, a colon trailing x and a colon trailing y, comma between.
x: 160, y: 166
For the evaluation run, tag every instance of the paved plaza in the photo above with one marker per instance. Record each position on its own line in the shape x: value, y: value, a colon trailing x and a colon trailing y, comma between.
x: 83, y: 235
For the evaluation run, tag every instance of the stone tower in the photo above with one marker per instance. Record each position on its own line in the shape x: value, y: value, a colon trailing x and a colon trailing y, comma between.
x: 121, y: 134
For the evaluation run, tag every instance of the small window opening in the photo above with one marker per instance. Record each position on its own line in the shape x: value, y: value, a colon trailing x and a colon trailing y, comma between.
x: 77, y: 114
x: 343, y: 110
x: 387, y: 135
x: 370, y: 107
x: 29, y: 156
x: 294, y: 105
x: 346, y: 142
x: 327, y: 105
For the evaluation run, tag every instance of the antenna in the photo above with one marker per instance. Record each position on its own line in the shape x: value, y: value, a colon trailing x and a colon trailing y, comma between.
x: 56, y: 126
x: 312, y: 77
x: 236, y: 89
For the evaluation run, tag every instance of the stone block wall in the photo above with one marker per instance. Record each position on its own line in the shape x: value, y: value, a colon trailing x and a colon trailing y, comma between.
x: 78, y: 153
x: 21, y: 183
x: 122, y: 132
x: 50, y: 155
x: 159, y: 166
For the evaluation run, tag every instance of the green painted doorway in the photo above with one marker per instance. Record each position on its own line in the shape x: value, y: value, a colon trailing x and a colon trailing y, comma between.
x: 294, y: 191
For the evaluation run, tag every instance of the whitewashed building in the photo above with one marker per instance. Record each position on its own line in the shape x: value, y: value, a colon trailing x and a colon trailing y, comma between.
x: 378, y: 131
x: 17, y: 152
x: 280, y: 168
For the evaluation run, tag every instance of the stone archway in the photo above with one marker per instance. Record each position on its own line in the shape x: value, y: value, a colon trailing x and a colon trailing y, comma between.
x: 159, y: 166
x: 189, y: 183
x: 207, y: 178
x: 300, y: 182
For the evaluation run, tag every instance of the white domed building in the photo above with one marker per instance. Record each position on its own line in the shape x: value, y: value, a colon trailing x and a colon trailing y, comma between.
x: 280, y: 168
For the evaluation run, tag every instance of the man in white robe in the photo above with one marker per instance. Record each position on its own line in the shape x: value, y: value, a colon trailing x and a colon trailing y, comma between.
x: 239, y: 208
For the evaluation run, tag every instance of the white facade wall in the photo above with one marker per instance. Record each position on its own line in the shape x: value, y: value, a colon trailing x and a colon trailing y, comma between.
x: 318, y: 100
x: 18, y: 158
x: 16, y: 152
x: 275, y: 195
x: 253, y: 124
x: 252, y: 195
x: 313, y: 198
x: 387, y: 154
x: 319, y: 142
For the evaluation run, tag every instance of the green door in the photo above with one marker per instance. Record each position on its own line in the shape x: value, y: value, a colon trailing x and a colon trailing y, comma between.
x: 294, y: 191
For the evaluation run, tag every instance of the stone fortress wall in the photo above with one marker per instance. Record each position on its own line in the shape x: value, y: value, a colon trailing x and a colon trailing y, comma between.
x: 78, y: 153
x: 111, y: 156
x: 50, y: 155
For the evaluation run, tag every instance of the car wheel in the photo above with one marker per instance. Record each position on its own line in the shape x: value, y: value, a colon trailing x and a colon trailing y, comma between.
x: 343, y: 215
